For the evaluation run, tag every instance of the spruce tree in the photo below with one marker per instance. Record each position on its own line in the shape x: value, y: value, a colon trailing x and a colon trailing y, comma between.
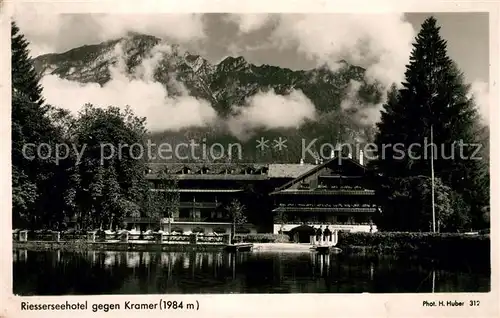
x: 33, y: 183
x: 24, y: 77
x: 434, y: 95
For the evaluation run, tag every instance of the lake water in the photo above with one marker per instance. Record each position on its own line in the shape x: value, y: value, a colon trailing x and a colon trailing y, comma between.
x: 97, y: 272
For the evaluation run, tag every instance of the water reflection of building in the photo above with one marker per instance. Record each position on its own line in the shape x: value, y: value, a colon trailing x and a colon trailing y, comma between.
x: 371, y: 270
x: 198, y: 260
x: 20, y: 255
x: 133, y: 259
x: 185, y: 262
x: 92, y: 256
x: 320, y: 264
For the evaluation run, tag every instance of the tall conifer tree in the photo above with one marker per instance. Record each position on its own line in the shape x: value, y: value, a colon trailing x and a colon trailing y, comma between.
x: 27, y: 127
x: 24, y: 77
x: 434, y: 95
x: 37, y: 185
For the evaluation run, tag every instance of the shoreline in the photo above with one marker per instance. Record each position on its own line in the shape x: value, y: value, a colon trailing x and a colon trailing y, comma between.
x: 483, y: 262
x: 480, y: 253
x: 113, y: 246
x: 149, y: 246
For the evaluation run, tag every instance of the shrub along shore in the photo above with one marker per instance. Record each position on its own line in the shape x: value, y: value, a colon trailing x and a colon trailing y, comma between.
x: 431, y: 244
x: 443, y: 248
x: 437, y: 247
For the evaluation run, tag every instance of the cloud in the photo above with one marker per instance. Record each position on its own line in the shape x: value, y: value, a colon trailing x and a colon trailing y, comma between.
x: 381, y: 43
x: 270, y: 110
x: 182, y: 27
x: 250, y: 22
x: 163, y: 111
x: 365, y: 114
x: 51, y: 32
x: 479, y: 90
x: 146, y: 97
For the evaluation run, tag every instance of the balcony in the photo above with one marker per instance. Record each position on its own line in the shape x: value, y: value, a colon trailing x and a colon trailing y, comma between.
x: 199, y: 205
x: 190, y: 176
x: 195, y: 219
x: 319, y: 191
x: 140, y: 220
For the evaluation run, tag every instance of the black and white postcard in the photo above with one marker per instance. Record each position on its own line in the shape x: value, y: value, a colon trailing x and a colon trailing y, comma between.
x: 269, y: 159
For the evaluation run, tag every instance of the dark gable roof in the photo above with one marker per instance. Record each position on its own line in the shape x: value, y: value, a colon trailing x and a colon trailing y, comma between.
x: 317, y: 168
x: 296, y: 172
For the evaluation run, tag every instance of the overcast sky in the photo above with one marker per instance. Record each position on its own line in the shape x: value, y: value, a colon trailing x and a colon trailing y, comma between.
x: 468, y: 40
x: 381, y: 43
x: 216, y: 35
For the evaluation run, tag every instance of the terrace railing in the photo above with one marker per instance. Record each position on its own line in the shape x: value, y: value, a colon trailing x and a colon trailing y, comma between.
x: 114, y: 237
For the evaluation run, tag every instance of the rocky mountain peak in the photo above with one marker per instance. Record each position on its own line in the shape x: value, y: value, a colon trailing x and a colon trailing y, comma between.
x: 232, y: 82
x: 231, y: 63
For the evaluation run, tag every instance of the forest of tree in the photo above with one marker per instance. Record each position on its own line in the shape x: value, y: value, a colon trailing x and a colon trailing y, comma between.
x: 48, y: 190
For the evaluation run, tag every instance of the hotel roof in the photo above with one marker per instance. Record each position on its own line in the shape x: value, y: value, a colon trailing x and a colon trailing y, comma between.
x: 227, y: 170
x: 288, y: 170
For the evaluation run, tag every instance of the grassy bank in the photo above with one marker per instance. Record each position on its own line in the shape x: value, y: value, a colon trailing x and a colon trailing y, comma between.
x: 449, y: 246
x: 112, y: 246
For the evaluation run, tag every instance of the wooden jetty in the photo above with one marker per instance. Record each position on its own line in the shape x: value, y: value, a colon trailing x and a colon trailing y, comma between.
x: 326, y: 245
x: 239, y: 247
x: 326, y: 249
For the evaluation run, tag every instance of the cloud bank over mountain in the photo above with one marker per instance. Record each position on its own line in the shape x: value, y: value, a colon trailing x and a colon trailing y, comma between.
x: 269, y: 110
x: 166, y: 111
x: 60, y: 32
x: 381, y: 43
x: 147, y: 97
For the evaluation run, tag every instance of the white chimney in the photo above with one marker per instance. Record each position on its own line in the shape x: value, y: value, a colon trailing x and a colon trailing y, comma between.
x: 301, y: 161
x: 361, y: 157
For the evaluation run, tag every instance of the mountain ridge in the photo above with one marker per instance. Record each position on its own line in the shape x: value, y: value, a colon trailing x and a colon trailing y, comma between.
x: 227, y: 84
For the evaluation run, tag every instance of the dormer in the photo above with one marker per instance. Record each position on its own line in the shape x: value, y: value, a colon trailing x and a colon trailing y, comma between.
x: 184, y: 170
x: 304, y: 185
x: 203, y: 170
x: 248, y: 170
x: 262, y: 171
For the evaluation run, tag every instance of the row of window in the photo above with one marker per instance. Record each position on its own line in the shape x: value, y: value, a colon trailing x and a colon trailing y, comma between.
x: 205, y: 170
x: 331, y: 219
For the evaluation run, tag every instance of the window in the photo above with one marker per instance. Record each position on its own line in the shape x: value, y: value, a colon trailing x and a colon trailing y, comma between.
x: 242, y: 230
x: 304, y: 185
x: 342, y: 218
x: 196, y: 214
x: 332, y: 218
x: 361, y: 219
x: 184, y: 213
x: 220, y: 230
x: 198, y: 230
x: 177, y: 230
